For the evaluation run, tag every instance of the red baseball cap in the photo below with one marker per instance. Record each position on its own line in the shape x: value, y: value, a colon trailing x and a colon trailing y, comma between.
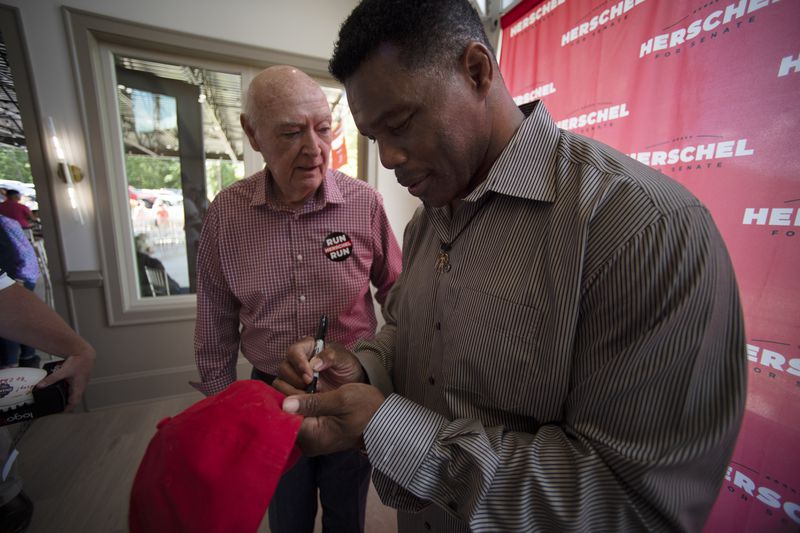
x: 214, y: 467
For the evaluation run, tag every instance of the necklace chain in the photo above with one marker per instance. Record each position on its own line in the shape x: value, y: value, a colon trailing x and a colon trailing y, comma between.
x: 443, y: 259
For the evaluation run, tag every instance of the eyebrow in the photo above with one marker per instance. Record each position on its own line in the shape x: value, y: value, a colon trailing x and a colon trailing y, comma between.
x: 293, y: 124
x: 290, y: 125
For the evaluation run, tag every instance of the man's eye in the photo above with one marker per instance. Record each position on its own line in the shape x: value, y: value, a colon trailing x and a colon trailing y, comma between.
x: 395, y: 129
x: 290, y: 134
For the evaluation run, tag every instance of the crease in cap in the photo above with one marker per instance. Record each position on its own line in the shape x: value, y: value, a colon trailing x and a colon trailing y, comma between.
x: 215, y: 466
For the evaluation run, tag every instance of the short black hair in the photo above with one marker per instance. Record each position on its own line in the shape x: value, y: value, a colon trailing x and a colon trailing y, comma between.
x: 427, y: 33
x: 12, y: 192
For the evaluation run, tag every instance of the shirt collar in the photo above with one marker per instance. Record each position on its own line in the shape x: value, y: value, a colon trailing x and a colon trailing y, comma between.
x: 526, y: 167
x: 329, y: 192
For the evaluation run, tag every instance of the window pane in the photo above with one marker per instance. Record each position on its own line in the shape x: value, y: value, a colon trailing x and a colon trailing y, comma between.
x: 15, y: 173
x: 15, y: 169
x: 344, y: 148
x: 182, y: 144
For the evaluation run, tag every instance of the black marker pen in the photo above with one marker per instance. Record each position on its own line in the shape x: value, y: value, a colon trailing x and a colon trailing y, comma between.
x: 319, y: 345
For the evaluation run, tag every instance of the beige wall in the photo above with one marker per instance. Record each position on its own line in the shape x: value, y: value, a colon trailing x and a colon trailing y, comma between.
x: 140, y: 362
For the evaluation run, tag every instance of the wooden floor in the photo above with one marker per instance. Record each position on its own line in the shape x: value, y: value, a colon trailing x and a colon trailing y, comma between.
x: 78, y: 468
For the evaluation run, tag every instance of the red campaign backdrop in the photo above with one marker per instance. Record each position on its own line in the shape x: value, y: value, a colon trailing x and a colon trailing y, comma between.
x: 707, y: 92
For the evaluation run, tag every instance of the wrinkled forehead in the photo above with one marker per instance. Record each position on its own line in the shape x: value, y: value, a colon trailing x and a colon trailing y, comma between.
x: 292, y: 107
x: 374, y: 88
x: 382, y: 86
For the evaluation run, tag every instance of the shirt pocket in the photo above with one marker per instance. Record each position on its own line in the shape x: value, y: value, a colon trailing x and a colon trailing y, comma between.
x: 491, y: 352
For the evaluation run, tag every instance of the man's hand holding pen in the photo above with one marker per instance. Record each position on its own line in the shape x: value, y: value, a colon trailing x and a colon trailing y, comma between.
x: 336, y: 367
x: 337, y: 415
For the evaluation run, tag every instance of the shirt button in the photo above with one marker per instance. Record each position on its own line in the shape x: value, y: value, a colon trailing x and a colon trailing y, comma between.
x: 427, y: 526
x: 432, y: 380
x: 299, y: 257
x: 438, y: 326
x: 302, y: 298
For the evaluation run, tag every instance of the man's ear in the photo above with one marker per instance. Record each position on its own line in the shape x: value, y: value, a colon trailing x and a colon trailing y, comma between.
x: 479, y: 65
x: 249, y: 131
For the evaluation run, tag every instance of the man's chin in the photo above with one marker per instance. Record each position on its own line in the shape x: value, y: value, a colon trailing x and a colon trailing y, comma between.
x: 433, y: 201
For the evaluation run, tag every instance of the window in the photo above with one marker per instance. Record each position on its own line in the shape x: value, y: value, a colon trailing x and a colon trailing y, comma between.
x: 182, y: 144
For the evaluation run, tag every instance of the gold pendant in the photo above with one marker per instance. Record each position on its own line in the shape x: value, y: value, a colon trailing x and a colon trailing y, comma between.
x: 442, y: 262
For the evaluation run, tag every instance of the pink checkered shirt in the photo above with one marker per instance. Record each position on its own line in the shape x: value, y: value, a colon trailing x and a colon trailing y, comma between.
x: 273, y: 272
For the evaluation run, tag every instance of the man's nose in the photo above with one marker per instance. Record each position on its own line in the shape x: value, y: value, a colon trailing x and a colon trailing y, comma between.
x: 312, y: 143
x: 391, y: 156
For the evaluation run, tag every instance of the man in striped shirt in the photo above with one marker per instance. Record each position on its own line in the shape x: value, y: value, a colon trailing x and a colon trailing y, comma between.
x: 565, y: 348
x: 280, y: 249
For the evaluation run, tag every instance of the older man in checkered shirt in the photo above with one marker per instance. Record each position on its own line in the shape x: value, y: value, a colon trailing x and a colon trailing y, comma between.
x: 280, y: 249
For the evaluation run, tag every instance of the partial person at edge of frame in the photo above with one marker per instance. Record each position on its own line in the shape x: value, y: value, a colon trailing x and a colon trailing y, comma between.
x: 280, y: 249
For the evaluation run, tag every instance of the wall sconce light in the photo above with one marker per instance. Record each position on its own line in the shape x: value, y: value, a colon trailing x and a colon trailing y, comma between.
x: 71, y: 174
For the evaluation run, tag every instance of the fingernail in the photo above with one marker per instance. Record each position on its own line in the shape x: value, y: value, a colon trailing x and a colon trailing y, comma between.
x: 317, y: 365
x: 291, y: 405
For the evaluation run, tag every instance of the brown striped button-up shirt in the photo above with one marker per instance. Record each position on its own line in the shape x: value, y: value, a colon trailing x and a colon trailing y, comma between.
x: 580, y: 366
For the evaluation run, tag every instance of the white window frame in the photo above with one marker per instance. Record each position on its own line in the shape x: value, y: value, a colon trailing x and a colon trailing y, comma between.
x: 95, y: 39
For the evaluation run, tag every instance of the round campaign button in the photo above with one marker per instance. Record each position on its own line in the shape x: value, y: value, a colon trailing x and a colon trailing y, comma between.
x: 338, y: 246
